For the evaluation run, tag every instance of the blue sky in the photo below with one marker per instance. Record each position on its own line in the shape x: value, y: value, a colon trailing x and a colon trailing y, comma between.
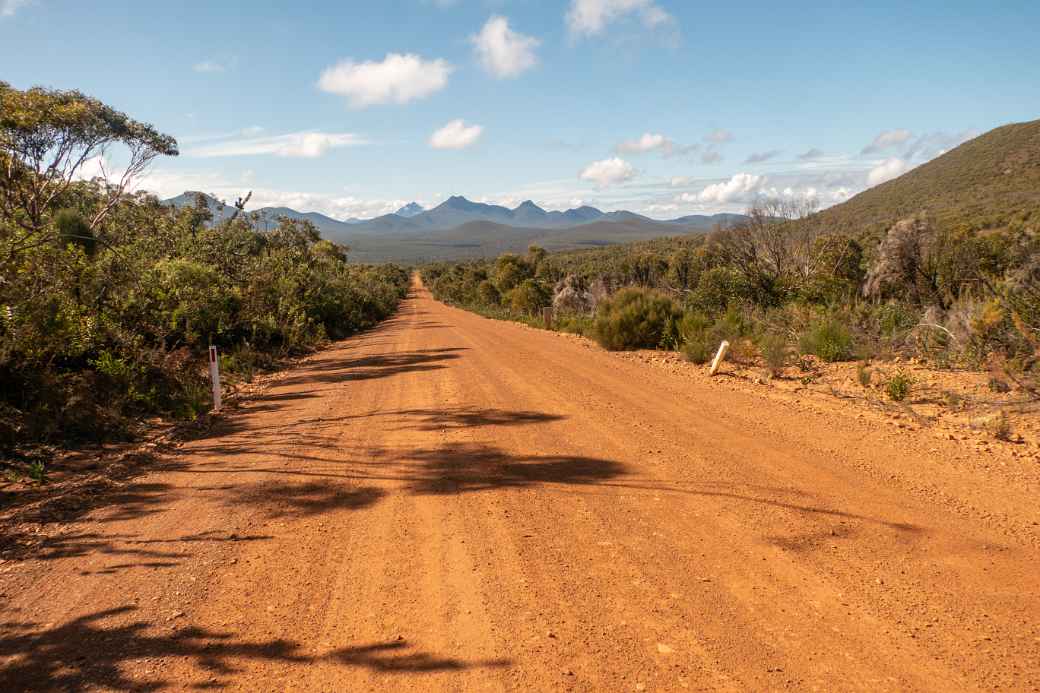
x: 658, y: 106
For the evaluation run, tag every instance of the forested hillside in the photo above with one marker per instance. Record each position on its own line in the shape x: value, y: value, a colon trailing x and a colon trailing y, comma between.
x: 990, y: 182
x: 109, y: 301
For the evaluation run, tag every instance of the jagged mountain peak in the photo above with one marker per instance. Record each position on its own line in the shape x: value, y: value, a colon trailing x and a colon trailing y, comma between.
x: 410, y: 210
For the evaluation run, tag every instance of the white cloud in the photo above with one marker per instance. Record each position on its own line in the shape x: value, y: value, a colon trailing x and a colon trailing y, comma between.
x: 309, y: 145
x: 502, y: 51
x: 661, y: 208
x: 397, y: 79
x: 456, y: 135
x: 742, y: 186
x: 608, y: 172
x: 166, y: 184
x: 590, y: 17
x: 208, y: 66
x: 647, y: 143
x: 887, y: 170
x: 9, y: 7
x: 887, y: 140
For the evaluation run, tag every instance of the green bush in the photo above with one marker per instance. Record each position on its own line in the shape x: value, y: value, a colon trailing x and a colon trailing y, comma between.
x: 95, y: 336
x: 717, y: 288
x: 775, y: 351
x: 863, y: 375
x: 698, y: 348
x: 899, y: 386
x: 529, y: 297
x: 487, y: 294
x: 634, y: 319
x: 829, y: 339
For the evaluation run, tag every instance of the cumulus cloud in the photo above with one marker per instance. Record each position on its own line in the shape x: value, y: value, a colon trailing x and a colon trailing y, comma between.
x: 887, y: 140
x: 761, y: 157
x: 742, y: 186
x: 503, y: 52
x: 887, y: 170
x: 398, y: 78
x: 308, y: 144
x: 456, y: 135
x: 648, y: 142
x: 9, y: 7
x: 591, y: 17
x: 608, y: 172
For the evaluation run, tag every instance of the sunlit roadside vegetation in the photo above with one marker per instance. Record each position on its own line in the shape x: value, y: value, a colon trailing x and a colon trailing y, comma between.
x: 109, y: 300
x: 782, y: 285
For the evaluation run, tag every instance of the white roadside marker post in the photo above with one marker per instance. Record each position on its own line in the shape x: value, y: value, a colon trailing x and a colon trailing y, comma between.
x: 723, y: 348
x: 214, y: 376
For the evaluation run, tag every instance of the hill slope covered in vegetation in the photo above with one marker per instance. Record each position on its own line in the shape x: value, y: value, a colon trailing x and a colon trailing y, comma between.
x: 989, y: 182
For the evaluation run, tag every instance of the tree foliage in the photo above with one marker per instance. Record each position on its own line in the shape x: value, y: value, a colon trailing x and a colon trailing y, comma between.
x: 109, y: 300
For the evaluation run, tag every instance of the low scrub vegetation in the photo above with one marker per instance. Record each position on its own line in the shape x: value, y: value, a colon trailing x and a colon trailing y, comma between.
x: 110, y: 300
x: 635, y: 318
x: 784, y: 283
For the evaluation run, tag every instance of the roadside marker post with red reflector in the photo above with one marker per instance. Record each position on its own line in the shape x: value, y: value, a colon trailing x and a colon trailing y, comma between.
x: 214, y: 376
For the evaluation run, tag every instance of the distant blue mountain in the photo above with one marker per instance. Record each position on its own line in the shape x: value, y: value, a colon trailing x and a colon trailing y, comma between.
x: 454, y: 212
x: 410, y: 210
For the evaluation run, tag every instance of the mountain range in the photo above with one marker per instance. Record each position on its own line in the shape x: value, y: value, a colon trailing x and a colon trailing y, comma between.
x: 459, y: 228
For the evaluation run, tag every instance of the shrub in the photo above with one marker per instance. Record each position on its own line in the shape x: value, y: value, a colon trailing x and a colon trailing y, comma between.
x: 529, y: 297
x: 997, y: 385
x: 717, y: 288
x: 774, y: 350
x: 999, y: 426
x: 698, y: 349
x: 73, y: 229
x: 863, y: 375
x: 38, y: 472
x: 487, y: 294
x: 899, y: 386
x: 634, y: 319
x: 829, y: 339
x: 691, y: 338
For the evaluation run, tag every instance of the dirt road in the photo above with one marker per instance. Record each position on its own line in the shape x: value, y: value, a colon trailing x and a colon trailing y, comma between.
x: 449, y: 502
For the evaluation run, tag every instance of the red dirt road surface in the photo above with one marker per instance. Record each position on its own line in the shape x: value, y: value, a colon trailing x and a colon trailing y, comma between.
x: 453, y: 503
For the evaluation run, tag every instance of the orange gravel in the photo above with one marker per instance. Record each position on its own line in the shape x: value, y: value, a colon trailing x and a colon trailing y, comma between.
x: 453, y: 503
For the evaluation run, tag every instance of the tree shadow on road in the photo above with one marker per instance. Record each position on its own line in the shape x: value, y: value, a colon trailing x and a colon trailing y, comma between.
x: 286, y: 499
x: 111, y: 650
x: 92, y: 652
x: 478, y: 467
x: 394, y: 658
x: 371, y: 367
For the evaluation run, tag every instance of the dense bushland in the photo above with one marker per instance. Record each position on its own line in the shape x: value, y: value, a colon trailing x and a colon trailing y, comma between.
x: 110, y: 300
x: 783, y: 284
